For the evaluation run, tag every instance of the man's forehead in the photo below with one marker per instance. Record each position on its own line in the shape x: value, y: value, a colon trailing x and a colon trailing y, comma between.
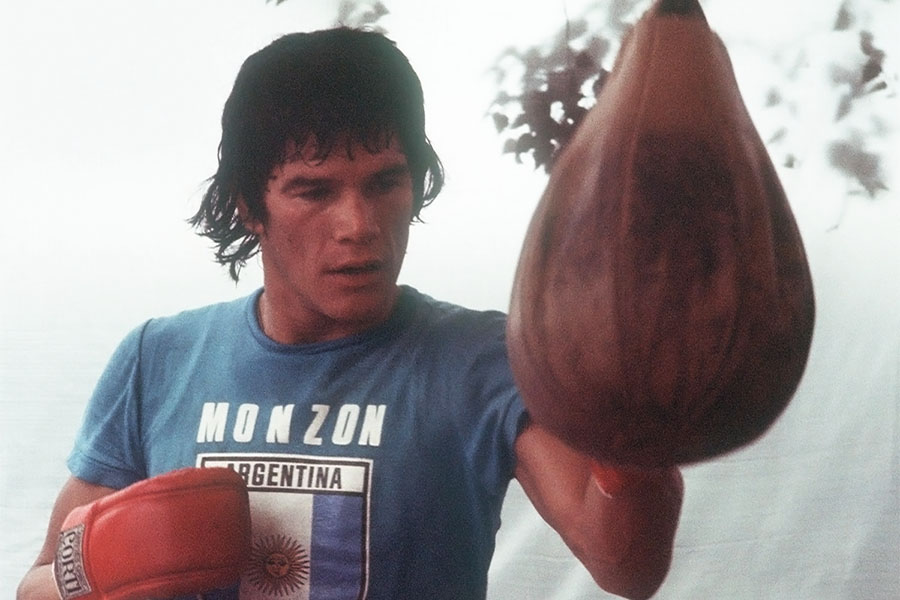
x: 345, y: 146
x: 340, y: 161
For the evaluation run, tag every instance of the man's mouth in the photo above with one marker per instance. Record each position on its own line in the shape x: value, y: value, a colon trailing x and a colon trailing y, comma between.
x: 362, y: 268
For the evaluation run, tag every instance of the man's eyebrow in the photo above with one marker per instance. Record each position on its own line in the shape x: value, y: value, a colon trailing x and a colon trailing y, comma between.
x: 399, y: 169
x: 299, y: 181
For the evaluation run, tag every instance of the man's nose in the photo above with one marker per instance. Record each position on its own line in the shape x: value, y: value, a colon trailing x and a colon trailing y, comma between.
x: 356, y: 219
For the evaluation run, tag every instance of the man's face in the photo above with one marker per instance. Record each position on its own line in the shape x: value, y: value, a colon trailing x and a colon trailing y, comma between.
x: 334, y: 241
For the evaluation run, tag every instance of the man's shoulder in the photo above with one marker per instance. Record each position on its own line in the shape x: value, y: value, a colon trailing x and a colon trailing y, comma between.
x: 225, y: 316
x: 450, y: 321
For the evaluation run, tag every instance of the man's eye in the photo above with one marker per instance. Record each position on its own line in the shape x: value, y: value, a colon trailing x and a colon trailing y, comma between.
x: 387, y: 184
x: 313, y: 193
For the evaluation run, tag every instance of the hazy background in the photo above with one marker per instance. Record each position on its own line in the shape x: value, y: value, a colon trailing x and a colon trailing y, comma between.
x: 109, y: 125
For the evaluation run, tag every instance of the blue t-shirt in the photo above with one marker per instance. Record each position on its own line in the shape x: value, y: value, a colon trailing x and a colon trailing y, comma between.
x: 377, y: 464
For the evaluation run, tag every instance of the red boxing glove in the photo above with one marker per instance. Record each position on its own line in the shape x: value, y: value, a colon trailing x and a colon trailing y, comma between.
x: 184, y: 532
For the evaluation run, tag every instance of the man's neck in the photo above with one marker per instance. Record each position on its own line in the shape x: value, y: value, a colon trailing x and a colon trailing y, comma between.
x: 284, y: 324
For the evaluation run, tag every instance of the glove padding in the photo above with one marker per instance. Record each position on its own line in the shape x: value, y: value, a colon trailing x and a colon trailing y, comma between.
x: 184, y: 532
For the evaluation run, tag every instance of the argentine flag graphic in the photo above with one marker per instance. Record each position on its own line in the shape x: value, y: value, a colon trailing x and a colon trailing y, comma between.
x: 310, y: 523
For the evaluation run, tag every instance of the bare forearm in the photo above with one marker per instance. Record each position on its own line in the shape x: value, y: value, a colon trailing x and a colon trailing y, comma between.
x: 623, y: 537
x: 626, y: 538
x: 38, y: 584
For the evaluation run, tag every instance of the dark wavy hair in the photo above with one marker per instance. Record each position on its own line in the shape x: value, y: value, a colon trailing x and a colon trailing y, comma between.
x: 331, y: 86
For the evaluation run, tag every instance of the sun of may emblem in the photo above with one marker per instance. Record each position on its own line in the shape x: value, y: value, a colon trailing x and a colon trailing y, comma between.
x: 279, y: 565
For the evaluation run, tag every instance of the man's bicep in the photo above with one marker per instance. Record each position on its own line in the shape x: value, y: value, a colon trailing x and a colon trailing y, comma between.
x: 552, y: 474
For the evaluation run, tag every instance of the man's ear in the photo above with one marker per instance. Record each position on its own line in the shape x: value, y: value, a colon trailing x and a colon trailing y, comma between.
x: 252, y: 224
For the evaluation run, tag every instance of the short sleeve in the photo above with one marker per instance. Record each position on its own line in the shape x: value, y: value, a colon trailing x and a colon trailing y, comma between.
x: 499, y: 414
x: 107, y: 448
